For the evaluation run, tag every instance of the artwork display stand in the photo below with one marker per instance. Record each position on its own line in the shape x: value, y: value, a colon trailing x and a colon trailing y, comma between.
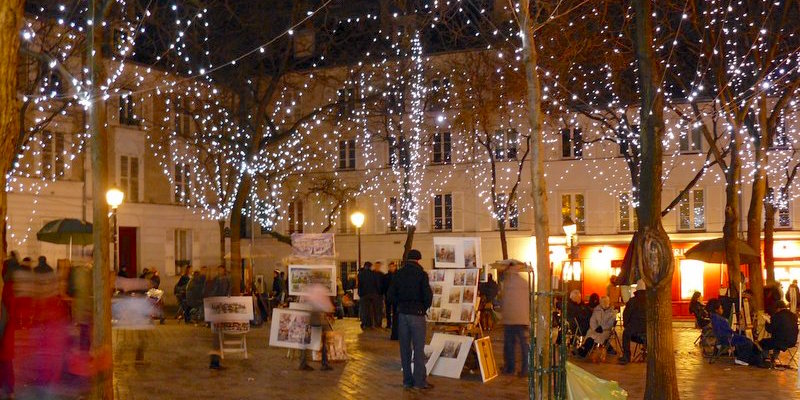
x: 232, y: 338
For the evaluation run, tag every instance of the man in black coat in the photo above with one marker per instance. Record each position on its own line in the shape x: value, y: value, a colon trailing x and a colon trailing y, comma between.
x: 369, y: 293
x: 783, y: 328
x: 635, y: 322
x: 387, y: 282
x: 412, y: 294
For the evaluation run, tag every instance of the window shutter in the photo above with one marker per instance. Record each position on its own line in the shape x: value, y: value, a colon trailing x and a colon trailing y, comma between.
x: 380, y: 213
x: 458, y: 212
x: 169, y: 252
x: 195, y: 247
x: 134, y: 179
x: 425, y: 218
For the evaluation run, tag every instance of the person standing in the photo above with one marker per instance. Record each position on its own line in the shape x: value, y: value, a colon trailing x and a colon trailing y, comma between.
x: 195, y: 291
x: 43, y: 267
x: 276, y: 286
x: 222, y: 283
x: 369, y: 295
x: 155, y: 278
x: 180, y: 292
x: 516, y: 316
x: 793, y: 297
x: 412, y: 293
x: 388, y: 305
x: 378, y: 298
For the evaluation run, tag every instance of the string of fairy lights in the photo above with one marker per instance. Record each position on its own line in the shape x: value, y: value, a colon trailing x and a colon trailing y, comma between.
x: 380, y: 108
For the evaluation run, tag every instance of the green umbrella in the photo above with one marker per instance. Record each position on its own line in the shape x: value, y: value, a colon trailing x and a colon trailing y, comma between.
x: 66, y: 231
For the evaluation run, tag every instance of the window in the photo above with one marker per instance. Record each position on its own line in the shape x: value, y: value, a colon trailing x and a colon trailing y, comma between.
x: 398, y: 151
x: 443, y: 212
x: 571, y: 143
x: 347, y: 154
x: 129, y: 177
x: 346, y: 99
x: 573, y: 206
x: 127, y: 109
x: 506, y: 144
x: 783, y: 214
x: 507, y: 211
x: 780, y: 139
x: 345, y: 226
x: 53, y: 165
x: 183, y: 118
x: 692, y: 211
x: 181, y: 189
x: 183, y: 249
x: 397, y: 215
x: 624, y: 138
x: 692, y: 142
x: 295, y: 217
x: 348, y: 271
x: 571, y: 271
x: 628, y: 220
x: 691, y: 278
x: 395, y: 102
x: 438, y: 99
x: 441, y: 148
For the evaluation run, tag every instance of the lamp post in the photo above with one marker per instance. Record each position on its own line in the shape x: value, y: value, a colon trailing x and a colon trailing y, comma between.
x: 357, y: 218
x: 114, y: 199
x: 571, y: 243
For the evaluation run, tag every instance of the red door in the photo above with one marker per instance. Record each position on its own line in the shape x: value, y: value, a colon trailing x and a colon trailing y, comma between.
x: 128, y: 251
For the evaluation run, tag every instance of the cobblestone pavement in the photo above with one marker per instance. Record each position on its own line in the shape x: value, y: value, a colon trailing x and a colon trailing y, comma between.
x: 176, y: 368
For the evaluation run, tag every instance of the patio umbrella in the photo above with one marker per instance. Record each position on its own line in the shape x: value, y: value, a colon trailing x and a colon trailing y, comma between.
x: 713, y: 251
x: 67, y: 231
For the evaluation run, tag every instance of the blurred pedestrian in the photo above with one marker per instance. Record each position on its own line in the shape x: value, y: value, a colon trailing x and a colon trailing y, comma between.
x: 412, y: 293
x: 320, y: 306
x: 43, y: 267
x: 793, y: 297
x: 155, y: 278
x: 222, y: 283
x: 377, y: 307
x: 180, y: 292
x: 8, y: 323
x: 516, y: 315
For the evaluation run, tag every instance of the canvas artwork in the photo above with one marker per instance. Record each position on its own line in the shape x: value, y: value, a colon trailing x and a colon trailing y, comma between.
x: 454, y: 352
x: 486, y: 361
x: 457, y: 252
x: 228, y: 309
x: 431, y: 356
x: 337, y: 350
x: 455, y: 295
x: 313, y: 245
x: 303, y: 277
x: 292, y: 329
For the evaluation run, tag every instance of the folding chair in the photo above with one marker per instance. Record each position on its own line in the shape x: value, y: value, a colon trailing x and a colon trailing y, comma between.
x: 639, y: 348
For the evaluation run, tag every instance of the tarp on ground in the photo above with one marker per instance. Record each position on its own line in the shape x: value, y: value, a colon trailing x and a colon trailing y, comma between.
x: 581, y: 385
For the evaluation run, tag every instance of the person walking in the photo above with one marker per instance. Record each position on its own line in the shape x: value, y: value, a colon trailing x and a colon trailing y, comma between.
x: 516, y: 315
x: 412, y: 293
x: 320, y: 306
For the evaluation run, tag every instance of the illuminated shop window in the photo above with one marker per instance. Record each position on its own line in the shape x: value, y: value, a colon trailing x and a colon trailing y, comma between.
x: 691, y: 278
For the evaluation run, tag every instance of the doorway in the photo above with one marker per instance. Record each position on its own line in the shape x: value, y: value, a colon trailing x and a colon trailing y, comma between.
x: 128, y: 251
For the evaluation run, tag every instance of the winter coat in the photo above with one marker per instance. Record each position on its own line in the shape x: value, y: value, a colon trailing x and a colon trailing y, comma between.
x: 180, y: 287
x: 222, y: 286
x: 195, y: 290
x: 516, y: 300
x: 369, y: 283
x: 411, y: 290
x: 605, y: 318
x: 635, y: 316
x: 783, y: 328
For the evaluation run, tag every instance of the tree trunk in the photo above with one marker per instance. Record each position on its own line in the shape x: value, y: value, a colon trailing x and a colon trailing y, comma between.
x: 236, y: 234
x: 754, y: 216
x: 503, y: 241
x: 769, y: 241
x: 221, y: 242
x: 101, y: 271
x: 731, y: 225
x: 11, y: 20
x: 653, y: 253
x: 540, y: 357
x: 409, y: 242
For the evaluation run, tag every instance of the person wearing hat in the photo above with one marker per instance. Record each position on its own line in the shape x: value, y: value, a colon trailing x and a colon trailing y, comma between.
x: 634, y: 321
x: 412, y: 294
x: 516, y: 315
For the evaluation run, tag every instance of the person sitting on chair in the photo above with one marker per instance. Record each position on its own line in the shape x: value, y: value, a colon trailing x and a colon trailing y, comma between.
x: 603, y: 320
x: 635, y: 321
x: 746, y: 353
x: 783, y: 328
x: 575, y: 312
x: 697, y: 308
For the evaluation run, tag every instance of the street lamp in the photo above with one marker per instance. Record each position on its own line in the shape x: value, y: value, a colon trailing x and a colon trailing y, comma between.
x: 357, y: 218
x: 571, y: 242
x: 114, y: 199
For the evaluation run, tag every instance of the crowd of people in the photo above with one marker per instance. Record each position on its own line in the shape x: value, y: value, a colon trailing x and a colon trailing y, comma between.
x: 193, y: 286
